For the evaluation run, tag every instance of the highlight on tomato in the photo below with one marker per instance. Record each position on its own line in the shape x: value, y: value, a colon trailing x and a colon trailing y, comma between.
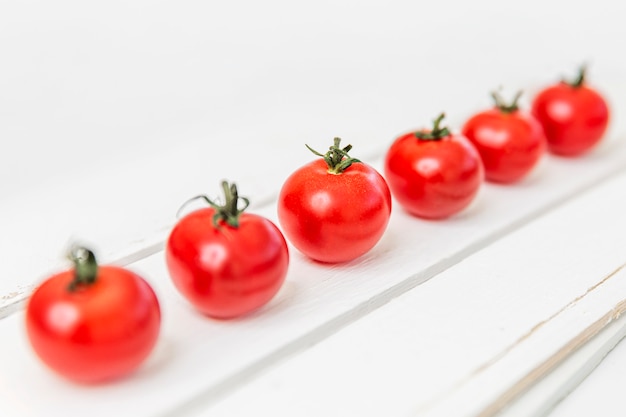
x: 93, y: 323
x: 334, y: 209
x: 574, y: 115
x: 510, y: 141
x: 433, y: 173
x: 224, y: 261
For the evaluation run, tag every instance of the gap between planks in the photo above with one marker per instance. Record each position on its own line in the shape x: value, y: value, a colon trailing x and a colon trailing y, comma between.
x: 544, y: 396
x: 524, y: 384
x: 558, y: 357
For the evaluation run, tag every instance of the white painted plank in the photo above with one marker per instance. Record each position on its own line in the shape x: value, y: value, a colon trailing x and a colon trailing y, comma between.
x: 198, y: 360
x: 136, y: 101
x: 124, y: 213
x: 132, y: 218
x: 466, y: 342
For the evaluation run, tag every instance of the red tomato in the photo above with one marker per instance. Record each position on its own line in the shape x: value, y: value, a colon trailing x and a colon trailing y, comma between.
x: 93, y: 324
x: 509, y: 141
x: 225, y: 262
x: 573, y: 115
x: 336, y: 209
x: 433, y: 174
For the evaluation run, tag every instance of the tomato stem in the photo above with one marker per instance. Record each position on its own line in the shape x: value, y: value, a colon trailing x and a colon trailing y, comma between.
x: 502, y: 106
x: 336, y: 158
x: 580, y: 78
x: 228, y: 212
x: 85, y: 267
x: 437, y: 132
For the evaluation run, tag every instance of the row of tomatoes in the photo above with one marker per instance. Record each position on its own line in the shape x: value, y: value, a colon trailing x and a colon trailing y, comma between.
x: 95, y: 323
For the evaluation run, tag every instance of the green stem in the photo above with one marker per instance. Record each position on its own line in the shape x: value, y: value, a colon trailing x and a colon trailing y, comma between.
x: 437, y: 132
x: 580, y: 78
x: 85, y: 267
x: 502, y: 106
x: 336, y: 158
x: 228, y: 212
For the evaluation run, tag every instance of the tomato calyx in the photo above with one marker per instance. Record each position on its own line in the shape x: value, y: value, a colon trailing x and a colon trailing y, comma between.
x: 336, y: 158
x: 503, y: 106
x: 437, y: 132
x: 228, y: 212
x: 85, y: 268
x: 579, y: 81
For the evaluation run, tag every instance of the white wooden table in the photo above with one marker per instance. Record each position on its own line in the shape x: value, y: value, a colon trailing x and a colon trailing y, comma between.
x: 112, y: 116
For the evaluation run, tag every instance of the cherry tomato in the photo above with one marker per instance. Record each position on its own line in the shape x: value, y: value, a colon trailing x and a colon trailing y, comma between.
x: 509, y: 141
x: 573, y: 115
x: 433, y: 173
x: 336, y: 209
x: 93, y: 324
x: 227, y: 263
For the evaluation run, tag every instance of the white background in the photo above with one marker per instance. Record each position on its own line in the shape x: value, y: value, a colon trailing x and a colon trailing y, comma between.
x: 84, y: 83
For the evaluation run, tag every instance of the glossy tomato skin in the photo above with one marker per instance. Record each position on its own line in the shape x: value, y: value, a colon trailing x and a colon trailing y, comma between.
x: 97, y: 332
x: 574, y: 119
x: 509, y: 143
x: 433, y: 179
x: 226, y: 271
x: 334, y: 218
